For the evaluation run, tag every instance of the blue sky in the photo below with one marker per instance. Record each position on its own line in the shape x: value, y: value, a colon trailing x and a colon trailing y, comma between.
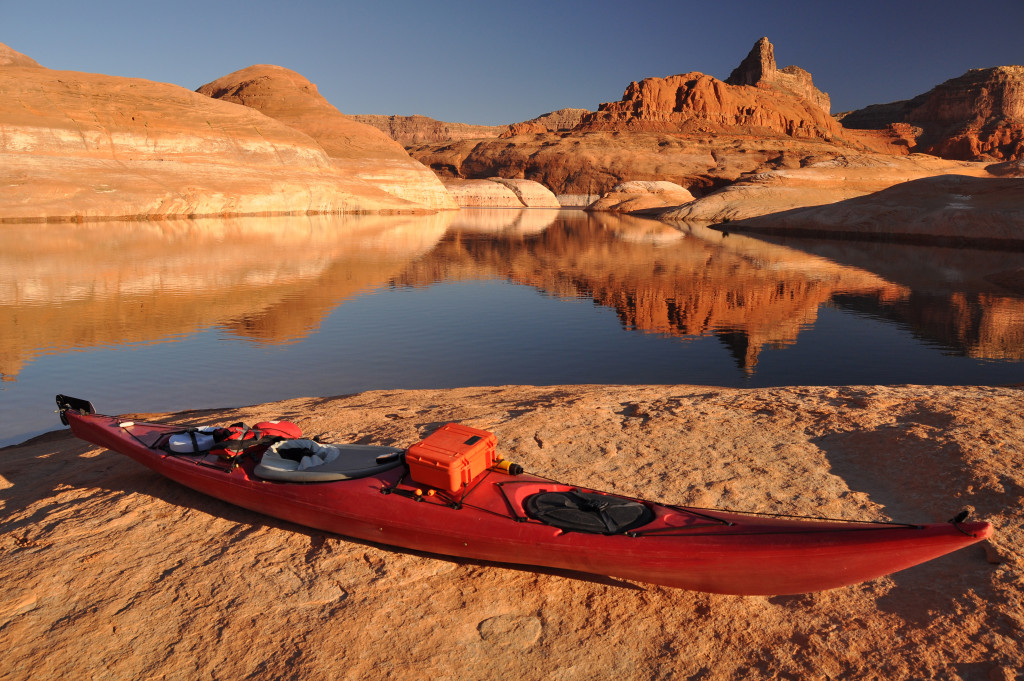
x: 495, y: 63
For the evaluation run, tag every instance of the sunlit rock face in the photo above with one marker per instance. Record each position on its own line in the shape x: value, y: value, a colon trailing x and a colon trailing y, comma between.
x: 357, y: 149
x: 757, y: 98
x: 976, y: 116
x: 632, y: 197
x: 80, y: 146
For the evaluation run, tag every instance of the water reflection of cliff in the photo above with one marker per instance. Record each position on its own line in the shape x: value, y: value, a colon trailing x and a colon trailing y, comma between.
x: 272, y: 280
x: 659, y: 279
x: 968, y: 300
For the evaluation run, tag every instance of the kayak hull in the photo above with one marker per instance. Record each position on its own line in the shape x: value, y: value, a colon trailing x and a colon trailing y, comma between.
x: 697, y: 549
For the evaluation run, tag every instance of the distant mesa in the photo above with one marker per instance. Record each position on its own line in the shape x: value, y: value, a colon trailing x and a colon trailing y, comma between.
x: 410, y: 130
x: 415, y: 130
x: 563, y: 119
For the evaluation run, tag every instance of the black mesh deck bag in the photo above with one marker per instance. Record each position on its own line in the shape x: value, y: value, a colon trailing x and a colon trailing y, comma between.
x: 587, y: 512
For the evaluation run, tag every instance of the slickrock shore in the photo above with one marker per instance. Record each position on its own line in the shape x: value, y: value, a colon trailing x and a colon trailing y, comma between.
x: 108, y: 570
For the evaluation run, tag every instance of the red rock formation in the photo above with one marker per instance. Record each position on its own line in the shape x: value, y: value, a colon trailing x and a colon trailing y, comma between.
x: 361, y: 150
x: 757, y: 99
x: 759, y: 69
x: 415, y: 130
x: 591, y: 163
x: 692, y: 129
x: 978, y: 116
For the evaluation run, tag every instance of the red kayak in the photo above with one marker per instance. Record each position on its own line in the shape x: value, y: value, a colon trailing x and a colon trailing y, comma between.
x: 452, y: 495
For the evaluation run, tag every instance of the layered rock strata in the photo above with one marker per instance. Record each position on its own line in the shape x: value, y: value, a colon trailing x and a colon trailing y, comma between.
x: 80, y: 146
x: 945, y: 209
x: 691, y: 129
x: 817, y: 181
x: 563, y: 119
x: 636, y: 197
x: 977, y: 116
x: 497, y: 192
x: 359, y: 150
x: 411, y: 130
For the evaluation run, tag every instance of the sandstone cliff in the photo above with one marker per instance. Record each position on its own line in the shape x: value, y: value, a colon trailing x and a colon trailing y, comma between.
x: 109, y: 570
x: 757, y: 99
x: 637, y: 197
x: 9, y: 57
x: 977, y: 116
x: 80, y: 146
x: 414, y: 130
x: 359, y: 150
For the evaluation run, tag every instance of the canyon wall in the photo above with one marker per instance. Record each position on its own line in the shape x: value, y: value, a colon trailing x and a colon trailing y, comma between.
x: 977, y: 116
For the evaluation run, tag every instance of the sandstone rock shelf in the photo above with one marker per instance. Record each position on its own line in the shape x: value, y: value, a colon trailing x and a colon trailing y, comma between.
x: 111, y: 570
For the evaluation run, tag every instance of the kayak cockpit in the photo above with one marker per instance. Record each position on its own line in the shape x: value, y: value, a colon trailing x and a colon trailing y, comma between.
x: 311, y: 461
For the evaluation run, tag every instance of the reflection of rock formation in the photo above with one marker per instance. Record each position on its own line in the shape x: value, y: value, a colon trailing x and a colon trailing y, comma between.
x: 264, y: 279
x: 974, y: 325
x: 749, y: 293
x: 970, y: 300
x: 503, y: 220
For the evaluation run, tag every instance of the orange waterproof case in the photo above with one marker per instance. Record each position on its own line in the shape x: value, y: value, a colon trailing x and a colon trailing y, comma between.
x: 451, y: 456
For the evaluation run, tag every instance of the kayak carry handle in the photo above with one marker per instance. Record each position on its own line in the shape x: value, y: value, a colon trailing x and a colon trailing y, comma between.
x: 65, y: 402
x: 959, y: 517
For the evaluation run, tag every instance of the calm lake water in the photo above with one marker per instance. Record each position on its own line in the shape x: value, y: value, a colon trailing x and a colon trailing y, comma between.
x: 154, y: 316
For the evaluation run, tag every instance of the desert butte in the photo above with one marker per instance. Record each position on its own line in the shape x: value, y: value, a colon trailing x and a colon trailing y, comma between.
x: 110, y: 570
